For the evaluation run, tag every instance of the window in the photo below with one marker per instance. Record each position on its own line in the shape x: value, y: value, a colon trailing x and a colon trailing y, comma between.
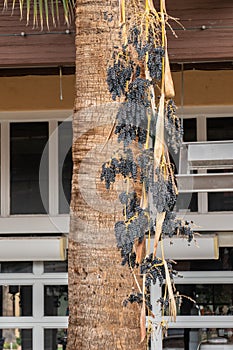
x: 190, y: 130
x: 27, y: 144
x: 38, y: 301
x: 210, y: 299
x: 36, y: 166
x: 55, y: 339
x: 55, y: 266
x: 55, y: 300
x: 65, y: 165
x: 208, y: 282
x: 220, y: 201
x: 213, y: 129
x: 184, y: 338
x: 16, y: 300
x: 15, y: 338
x: 220, y: 129
x: 19, y: 267
x: 187, y: 201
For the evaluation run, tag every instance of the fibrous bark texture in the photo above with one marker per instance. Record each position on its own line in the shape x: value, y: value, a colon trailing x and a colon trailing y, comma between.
x: 98, y: 283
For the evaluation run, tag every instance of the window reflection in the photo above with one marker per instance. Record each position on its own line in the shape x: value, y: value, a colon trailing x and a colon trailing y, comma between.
x: 16, y: 300
x: 220, y: 201
x: 27, y: 144
x: 206, y: 299
x: 55, y: 339
x: 220, y: 129
x: 14, y: 338
x: 187, y: 202
x: 65, y: 165
x: 203, y: 338
x: 190, y: 130
x: 55, y: 266
x: 55, y: 300
x: 16, y: 267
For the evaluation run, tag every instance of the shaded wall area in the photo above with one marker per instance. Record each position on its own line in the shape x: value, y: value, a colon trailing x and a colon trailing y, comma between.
x: 43, y: 92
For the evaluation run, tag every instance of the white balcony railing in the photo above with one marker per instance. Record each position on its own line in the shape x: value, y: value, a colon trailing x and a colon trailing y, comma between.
x: 201, y: 156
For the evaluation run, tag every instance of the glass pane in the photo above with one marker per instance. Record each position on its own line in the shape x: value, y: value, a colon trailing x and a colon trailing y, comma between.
x: 55, y: 300
x: 15, y: 300
x: 201, y: 339
x: 55, y: 339
x: 219, y: 129
x: 65, y: 165
x: 174, y: 339
x: 16, y: 267
x: 210, y: 299
x: 187, y: 202
x: 27, y: 143
x: 19, y: 339
x: 55, y: 266
x: 190, y: 130
x: 220, y: 201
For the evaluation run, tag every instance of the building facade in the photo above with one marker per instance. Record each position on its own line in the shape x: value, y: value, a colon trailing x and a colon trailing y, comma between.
x: 206, y: 198
x: 37, y: 93
x: 37, y: 82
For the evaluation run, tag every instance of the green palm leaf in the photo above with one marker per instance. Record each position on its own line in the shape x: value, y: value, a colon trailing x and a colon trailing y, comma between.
x: 43, y: 11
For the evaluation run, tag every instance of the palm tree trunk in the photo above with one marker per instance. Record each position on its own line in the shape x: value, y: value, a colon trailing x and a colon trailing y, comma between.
x: 97, y: 282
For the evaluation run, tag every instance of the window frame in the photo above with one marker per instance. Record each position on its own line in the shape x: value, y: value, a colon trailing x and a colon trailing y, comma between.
x: 191, y: 322
x: 201, y: 113
x: 37, y: 322
x: 51, y: 222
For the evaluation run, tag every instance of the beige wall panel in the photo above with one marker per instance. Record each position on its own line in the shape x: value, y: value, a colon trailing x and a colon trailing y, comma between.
x: 36, y: 93
x: 43, y: 92
x: 204, y: 87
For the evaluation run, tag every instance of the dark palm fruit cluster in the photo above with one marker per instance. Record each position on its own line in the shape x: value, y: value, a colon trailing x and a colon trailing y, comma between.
x: 118, y: 75
x: 163, y: 193
x: 169, y: 227
x: 164, y: 302
x: 132, y: 260
x: 133, y: 228
x: 131, y: 204
x: 125, y: 166
x: 184, y: 228
x: 174, y: 226
x: 136, y: 41
x: 127, y: 232
x: 125, y: 78
x: 173, y: 127
x: 138, y: 298
x: 138, y: 91
x: 128, y: 133
x: 155, y: 54
x: 148, y: 267
x: 154, y: 63
x: 108, y: 173
x: 132, y: 119
x: 146, y: 165
x: 132, y: 112
x: 154, y: 270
